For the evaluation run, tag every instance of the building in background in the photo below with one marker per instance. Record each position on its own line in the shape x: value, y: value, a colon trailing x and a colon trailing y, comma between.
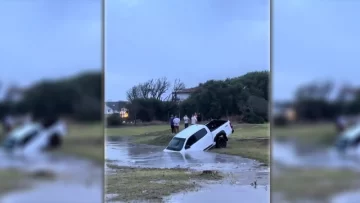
x: 183, y: 94
x: 108, y: 110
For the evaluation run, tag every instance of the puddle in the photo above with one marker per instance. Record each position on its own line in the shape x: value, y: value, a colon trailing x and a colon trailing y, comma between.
x: 347, y: 197
x: 70, y: 179
x: 239, y: 172
x: 289, y: 154
x: 127, y: 154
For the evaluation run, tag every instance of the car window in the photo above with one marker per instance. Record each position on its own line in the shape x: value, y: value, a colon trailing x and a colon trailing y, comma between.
x: 28, y: 137
x: 200, y: 134
x: 196, y: 136
x: 176, y: 144
x: 9, y: 143
x: 192, y: 139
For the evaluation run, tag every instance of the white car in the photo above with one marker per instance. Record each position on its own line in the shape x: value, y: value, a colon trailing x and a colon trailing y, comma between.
x: 349, y: 138
x: 201, y: 137
x: 33, y: 137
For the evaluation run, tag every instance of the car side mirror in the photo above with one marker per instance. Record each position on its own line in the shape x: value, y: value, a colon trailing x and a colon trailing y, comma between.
x: 187, y: 146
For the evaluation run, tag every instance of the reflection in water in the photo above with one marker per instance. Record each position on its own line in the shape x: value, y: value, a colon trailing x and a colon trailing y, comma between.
x: 347, y: 197
x: 150, y: 156
x: 71, y: 182
x: 240, y: 172
x: 288, y: 153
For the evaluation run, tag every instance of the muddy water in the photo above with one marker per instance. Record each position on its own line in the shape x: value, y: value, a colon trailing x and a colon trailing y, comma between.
x: 347, y: 197
x: 288, y: 153
x: 71, y: 183
x: 239, y: 172
x: 292, y: 155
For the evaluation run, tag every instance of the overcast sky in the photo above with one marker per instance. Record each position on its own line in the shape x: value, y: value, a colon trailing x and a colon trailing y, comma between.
x: 48, y: 39
x: 191, y: 40
x: 314, y: 40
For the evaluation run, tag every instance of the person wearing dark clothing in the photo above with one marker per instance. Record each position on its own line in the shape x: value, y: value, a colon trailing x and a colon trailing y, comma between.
x: 172, y: 124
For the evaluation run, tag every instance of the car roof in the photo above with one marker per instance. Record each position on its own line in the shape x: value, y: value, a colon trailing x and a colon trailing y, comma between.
x: 20, y: 131
x: 187, y: 132
x: 353, y: 132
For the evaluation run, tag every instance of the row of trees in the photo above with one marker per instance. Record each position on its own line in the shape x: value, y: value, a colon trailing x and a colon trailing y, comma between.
x: 245, y: 97
x: 78, y: 97
x: 321, y: 101
x: 154, y: 89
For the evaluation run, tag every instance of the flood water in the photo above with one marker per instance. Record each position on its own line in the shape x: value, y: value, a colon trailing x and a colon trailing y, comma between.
x: 243, y: 172
x: 75, y: 180
x: 291, y: 155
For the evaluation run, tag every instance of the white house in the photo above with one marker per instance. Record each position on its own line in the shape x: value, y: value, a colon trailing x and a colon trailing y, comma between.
x: 182, y: 95
x: 108, y: 110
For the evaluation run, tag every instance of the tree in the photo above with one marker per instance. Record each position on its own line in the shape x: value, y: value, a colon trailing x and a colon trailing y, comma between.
x: 78, y: 97
x: 244, y: 96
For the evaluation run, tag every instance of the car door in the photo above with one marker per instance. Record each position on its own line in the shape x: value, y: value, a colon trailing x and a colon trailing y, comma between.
x: 198, y: 141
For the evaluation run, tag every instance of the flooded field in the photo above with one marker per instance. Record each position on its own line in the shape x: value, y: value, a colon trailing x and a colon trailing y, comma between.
x: 239, y: 173
x: 288, y: 156
x: 73, y: 180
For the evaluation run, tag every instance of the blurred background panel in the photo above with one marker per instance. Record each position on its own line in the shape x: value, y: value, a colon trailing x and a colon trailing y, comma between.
x: 51, y: 104
x: 316, y: 106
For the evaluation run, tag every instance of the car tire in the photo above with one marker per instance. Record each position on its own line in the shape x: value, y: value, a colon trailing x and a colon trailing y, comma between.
x: 55, y: 141
x: 221, y: 142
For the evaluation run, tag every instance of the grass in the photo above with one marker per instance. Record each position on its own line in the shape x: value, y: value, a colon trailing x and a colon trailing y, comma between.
x: 248, y: 140
x: 317, y: 134
x: 314, y: 184
x: 136, y: 130
x: 85, y: 141
x: 128, y: 184
x: 12, y: 179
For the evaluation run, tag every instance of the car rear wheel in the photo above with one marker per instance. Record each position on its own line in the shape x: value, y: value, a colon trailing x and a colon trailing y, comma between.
x: 221, y: 142
x: 55, y: 141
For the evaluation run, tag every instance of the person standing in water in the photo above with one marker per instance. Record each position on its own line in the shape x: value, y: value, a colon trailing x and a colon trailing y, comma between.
x: 186, y: 121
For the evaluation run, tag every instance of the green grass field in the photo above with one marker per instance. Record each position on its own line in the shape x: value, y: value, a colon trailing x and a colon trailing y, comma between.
x: 250, y: 141
x: 319, y: 134
x: 85, y: 141
x: 12, y: 179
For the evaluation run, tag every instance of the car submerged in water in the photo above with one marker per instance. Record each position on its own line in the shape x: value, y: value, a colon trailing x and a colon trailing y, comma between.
x: 349, y: 138
x: 34, y: 137
x: 201, y: 137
